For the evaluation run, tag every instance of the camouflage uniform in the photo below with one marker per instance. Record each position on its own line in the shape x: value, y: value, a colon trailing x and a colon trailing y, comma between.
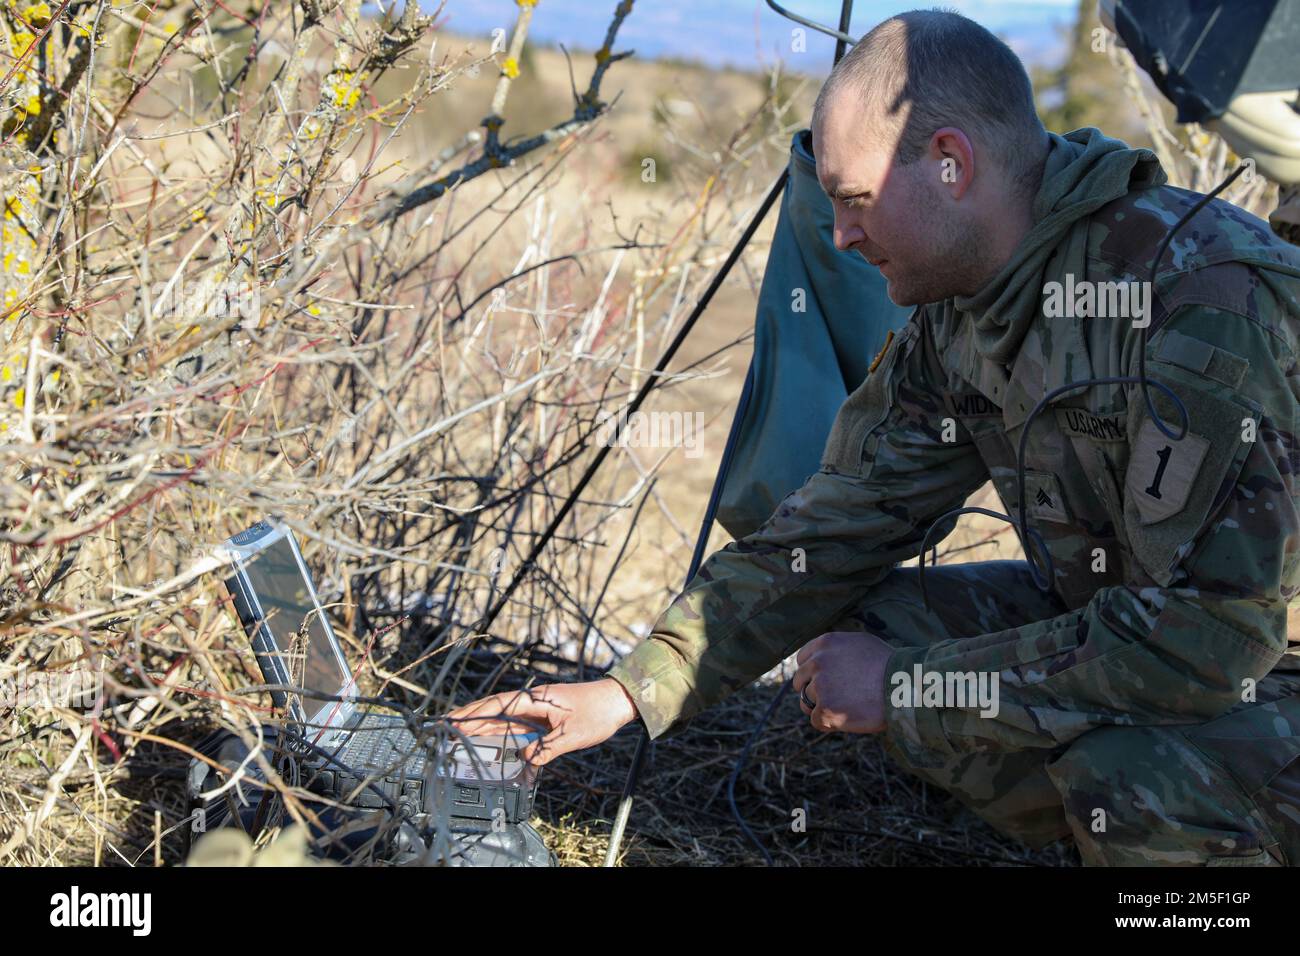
x: 1148, y: 702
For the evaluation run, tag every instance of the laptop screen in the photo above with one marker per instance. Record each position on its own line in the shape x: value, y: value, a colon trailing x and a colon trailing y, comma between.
x: 296, y: 630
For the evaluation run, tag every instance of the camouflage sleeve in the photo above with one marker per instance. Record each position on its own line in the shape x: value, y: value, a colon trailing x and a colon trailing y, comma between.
x: 885, y: 475
x: 1212, y: 521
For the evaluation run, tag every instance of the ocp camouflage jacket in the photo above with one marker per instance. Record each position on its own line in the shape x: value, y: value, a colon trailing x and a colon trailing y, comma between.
x: 1176, y: 558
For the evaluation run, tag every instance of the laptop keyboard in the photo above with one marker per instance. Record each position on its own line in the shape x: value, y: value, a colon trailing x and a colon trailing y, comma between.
x: 380, y: 744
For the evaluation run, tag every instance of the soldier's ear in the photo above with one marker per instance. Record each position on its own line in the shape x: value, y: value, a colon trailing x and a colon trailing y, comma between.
x: 953, y: 159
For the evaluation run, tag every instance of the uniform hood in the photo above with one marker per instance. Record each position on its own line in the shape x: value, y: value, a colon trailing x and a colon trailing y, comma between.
x: 1085, y: 170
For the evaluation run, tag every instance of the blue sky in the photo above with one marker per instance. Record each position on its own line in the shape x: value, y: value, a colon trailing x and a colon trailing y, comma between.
x: 747, y: 33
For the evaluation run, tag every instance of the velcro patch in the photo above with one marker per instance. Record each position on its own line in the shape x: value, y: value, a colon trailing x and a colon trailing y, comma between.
x: 1203, y: 358
x: 973, y: 405
x: 1081, y: 423
x: 1162, y: 471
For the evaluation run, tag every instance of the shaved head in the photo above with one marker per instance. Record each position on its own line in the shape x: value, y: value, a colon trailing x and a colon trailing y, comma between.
x: 927, y: 142
x: 927, y: 69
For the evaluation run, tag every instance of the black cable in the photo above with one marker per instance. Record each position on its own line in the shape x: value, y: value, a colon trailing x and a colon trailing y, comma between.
x: 843, y: 41
x: 1023, y: 531
x: 355, y: 774
x: 1155, y: 262
x: 270, y: 799
x: 1045, y: 582
x: 652, y: 380
x: 697, y: 558
x: 419, y: 729
x: 720, y: 480
x: 740, y: 765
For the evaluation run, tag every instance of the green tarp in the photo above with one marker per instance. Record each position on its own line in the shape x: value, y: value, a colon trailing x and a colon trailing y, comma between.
x: 805, y: 362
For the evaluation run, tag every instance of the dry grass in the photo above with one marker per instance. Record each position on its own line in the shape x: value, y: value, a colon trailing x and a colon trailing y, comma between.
x: 859, y: 810
x: 251, y: 267
x: 221, y: 300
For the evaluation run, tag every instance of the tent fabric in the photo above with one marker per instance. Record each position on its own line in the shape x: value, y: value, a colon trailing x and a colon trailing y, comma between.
x: 805, y: 362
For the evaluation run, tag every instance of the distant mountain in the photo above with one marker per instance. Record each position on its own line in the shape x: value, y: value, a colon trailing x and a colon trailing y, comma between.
x: 747, y: 34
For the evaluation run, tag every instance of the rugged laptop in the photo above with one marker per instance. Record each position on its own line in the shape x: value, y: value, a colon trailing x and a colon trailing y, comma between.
x: 366, y: 757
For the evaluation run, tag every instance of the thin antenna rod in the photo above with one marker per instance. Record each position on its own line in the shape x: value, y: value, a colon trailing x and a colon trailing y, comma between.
x: 842, y: 42
x: 839, y: 34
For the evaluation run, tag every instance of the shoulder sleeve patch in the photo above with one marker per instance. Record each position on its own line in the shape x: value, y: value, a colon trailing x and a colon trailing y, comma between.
x: 1173, y: 488
x: 1162, y: 471
x: 1202, y: 358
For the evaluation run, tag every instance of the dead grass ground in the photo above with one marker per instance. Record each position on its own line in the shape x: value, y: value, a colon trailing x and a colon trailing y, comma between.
x: 859, y: 809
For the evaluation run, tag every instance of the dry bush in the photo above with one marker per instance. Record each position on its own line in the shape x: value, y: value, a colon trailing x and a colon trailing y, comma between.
x: 243, y: 277
x: 264, y: 258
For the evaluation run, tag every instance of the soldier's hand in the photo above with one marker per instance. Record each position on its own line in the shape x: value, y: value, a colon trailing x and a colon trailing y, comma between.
x: 843, y: 673
x: 572, y: 716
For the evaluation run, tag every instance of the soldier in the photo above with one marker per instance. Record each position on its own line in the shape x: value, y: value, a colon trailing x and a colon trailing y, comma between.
x: 1146, y: 701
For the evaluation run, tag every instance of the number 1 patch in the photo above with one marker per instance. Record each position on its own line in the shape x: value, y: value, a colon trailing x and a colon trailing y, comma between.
x: 1162, y: 471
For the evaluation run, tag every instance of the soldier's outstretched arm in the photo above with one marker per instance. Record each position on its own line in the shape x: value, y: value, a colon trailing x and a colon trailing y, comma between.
x: 887, y: 472
x: 1213, y: 521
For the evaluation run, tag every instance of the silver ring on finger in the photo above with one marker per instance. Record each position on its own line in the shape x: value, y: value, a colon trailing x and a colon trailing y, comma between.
x: 807, y: 701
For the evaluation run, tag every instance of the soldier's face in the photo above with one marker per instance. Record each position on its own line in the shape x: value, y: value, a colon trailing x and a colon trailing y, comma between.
x: 897, y: 217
